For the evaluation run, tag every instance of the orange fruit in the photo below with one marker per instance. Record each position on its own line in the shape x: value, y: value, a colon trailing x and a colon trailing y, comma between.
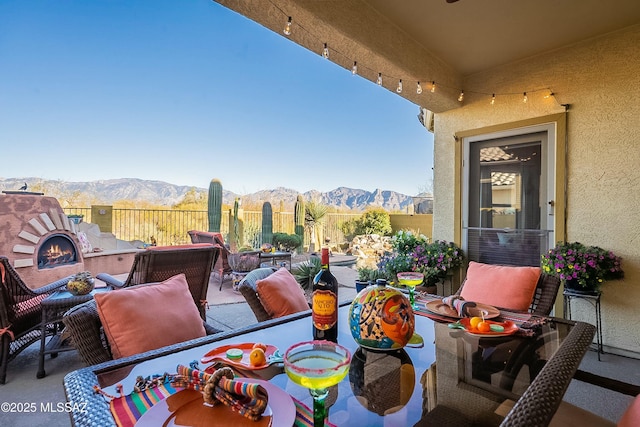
x: 473, y: 322
x: 257, y: 357
x: 260, y: 345
x: 484, y: 327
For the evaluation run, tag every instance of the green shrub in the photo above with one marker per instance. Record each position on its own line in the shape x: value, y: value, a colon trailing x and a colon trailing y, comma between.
x: 373, y: 221
x: 286, y: 242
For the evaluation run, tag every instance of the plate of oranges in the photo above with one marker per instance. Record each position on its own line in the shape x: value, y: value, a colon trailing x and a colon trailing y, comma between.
x: 244, y: 355
x: 488, y: 328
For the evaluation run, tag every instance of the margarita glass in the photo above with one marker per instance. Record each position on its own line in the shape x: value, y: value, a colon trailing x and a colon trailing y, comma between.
x: 411, y: 279
x: 317, y: 365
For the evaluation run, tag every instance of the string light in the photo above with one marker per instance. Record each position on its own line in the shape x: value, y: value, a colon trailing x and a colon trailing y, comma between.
x: 287, y: 28
x: 419, y: 89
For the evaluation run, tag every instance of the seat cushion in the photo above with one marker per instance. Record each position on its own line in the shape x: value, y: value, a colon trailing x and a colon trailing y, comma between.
x: 501, y: 286
x: 281, y: 294
x: 146, y: 317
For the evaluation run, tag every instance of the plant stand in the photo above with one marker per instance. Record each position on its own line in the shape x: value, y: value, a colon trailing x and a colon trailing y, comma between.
x: 594, y: 299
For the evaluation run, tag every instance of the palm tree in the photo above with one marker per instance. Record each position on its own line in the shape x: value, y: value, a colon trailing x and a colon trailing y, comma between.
x: 314, y: 216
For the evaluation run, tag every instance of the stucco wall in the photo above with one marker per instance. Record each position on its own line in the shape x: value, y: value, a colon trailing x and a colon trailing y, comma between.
x: 600, y: 79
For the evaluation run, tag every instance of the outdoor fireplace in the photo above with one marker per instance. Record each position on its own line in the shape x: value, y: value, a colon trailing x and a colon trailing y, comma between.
x: 57, y: 250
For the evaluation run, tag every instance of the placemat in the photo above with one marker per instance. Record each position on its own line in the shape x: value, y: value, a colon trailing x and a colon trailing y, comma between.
x: 126, y: 410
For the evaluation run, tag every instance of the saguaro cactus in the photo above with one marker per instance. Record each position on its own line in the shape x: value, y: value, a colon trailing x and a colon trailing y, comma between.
x: 214, y: 207
x: 298, y: 217
x: 267, y: 223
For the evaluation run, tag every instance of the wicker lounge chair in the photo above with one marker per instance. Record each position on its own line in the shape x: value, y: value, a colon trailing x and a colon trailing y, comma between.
x: 85, y: 329
x: 222, y: 266
x: 162, y: 262
x: 20, y: 314
x: 247, y: 288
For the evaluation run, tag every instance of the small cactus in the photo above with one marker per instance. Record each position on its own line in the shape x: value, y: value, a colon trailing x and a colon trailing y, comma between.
x: 214, y: 207
x: 267, y: 223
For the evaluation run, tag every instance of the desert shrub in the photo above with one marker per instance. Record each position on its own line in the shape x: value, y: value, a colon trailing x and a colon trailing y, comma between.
x: 373, y: 221
x: 286, y: 242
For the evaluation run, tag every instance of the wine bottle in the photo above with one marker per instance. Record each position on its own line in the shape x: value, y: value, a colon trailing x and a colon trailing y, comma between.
x: 324, y: 302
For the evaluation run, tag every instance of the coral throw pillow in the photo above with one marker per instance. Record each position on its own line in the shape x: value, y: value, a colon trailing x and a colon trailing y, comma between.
x: 631, y: 417
x: 501, y: 286
x: 281, y: 294
x: 150, y: 316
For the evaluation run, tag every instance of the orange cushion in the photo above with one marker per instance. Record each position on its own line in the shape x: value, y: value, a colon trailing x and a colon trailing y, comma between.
x: 631, y: 417
x: 281, y: 294
x: 146, y: 317
x: 501, y: 286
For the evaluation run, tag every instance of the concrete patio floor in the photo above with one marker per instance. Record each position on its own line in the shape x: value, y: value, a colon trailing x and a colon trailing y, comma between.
x: 229, y: 311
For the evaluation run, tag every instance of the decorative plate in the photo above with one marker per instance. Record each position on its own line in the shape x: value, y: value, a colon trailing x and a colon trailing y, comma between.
x: 510, y: 328
x: 480, y: 310
x: 219, y: 354
x: 186, y: 408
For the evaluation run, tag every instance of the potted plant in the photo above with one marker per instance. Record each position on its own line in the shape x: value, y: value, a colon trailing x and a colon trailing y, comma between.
x: 368, y: 276
x: 436, y: 260
x: 581, y: 267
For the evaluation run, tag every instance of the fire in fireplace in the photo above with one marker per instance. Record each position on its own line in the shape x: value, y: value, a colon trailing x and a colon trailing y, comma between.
x: 57, y: 250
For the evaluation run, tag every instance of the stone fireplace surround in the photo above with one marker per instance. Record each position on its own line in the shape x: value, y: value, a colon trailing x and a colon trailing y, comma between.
x: 29, y: 219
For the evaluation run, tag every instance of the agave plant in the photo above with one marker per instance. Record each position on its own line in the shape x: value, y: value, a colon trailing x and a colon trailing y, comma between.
x: 306, y: 271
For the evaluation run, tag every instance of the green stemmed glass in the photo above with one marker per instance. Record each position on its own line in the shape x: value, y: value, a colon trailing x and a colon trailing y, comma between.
x: 317, y: 365
x: 411, y: 279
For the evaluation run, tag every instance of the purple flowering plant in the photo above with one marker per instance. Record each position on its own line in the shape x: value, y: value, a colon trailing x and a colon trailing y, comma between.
x: 436, y: 260
x: 587, y: 266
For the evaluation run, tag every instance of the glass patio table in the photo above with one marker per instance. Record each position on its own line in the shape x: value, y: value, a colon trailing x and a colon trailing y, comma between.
x: 456, y: 377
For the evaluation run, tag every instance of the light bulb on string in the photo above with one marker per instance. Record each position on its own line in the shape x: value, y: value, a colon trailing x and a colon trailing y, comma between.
x: 354, y: 69
x: 525, y: 98
x: 399, y: 88
x: 493, y: 99
x: 433, y: 86
x: 461, y: 96
x: 418, y: 89
x: 379, y: 81
x: 287, y: 28
x: 325, y: 52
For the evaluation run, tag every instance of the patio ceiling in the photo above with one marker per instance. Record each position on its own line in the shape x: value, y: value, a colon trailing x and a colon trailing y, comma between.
x: 433, y: 40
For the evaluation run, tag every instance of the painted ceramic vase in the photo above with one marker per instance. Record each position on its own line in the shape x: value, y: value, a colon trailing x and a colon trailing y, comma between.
x: 381, y: 318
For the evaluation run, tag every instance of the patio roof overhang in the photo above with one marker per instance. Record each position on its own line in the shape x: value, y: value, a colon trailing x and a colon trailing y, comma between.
x: 433, y: 40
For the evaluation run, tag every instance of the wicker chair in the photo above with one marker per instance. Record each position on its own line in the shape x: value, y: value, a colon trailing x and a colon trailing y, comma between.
x: 20, y: 314
x: 247, y: 288
x: 159, y: 263
x: 85, y: 329
x: 544, y: 296
x: 223, y: 268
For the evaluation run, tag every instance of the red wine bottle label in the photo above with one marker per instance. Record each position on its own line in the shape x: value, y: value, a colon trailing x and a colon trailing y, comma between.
x: 324, y: 305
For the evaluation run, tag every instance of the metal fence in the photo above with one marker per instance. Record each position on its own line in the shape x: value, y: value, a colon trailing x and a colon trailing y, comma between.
x: 170, y: 227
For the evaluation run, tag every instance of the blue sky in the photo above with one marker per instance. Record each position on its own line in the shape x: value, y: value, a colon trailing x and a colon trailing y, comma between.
x: 185, y: 91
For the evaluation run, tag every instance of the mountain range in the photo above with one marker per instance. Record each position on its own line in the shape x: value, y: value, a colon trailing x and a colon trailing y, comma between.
x: 163, y: 193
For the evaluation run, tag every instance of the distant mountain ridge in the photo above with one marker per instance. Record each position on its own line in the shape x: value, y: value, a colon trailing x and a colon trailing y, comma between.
x: 163, y: 193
